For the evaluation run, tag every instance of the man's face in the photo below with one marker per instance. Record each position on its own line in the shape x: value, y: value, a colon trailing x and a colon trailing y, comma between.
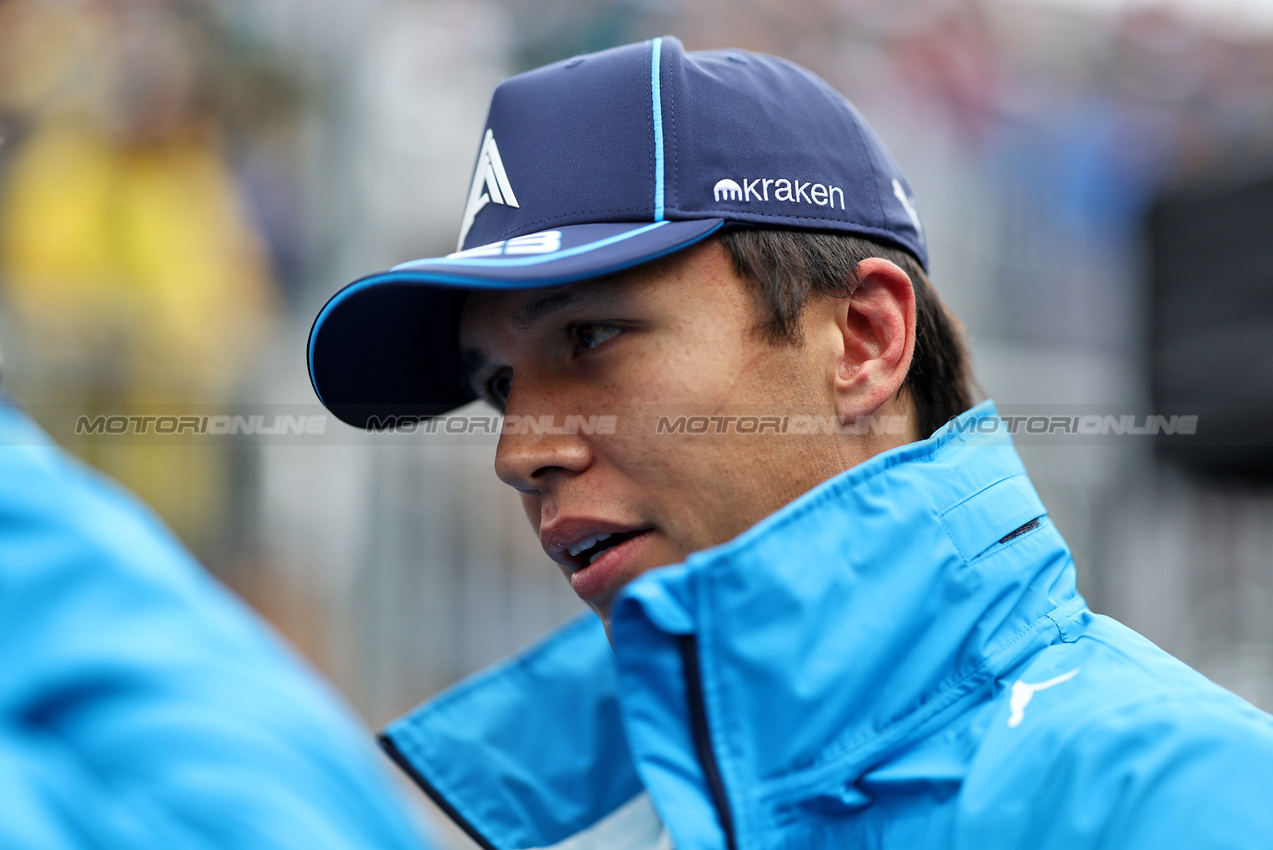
x: 671, y: 338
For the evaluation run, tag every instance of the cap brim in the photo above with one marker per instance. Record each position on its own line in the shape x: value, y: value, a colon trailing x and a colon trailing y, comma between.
x: 385, y: 349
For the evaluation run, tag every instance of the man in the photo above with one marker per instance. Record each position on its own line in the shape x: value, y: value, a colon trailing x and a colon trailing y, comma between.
x: 141, y: 706
x: 837, y: 612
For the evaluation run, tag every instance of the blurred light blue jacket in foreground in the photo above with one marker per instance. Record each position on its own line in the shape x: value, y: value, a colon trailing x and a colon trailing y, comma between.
x: 897, y: 659
x: 141, y: 705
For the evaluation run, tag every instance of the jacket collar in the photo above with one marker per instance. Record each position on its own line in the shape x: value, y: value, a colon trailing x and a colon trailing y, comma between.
x: 843, y: 627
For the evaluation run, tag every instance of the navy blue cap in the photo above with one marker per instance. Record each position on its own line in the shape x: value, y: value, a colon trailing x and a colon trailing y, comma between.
x: 597, y: 164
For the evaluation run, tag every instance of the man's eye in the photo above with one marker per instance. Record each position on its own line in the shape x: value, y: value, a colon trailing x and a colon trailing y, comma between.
x: 586, y: 337
x: 499, y: 387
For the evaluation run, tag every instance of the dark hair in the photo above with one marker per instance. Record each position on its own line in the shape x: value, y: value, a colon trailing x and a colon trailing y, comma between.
x: 786, y: 267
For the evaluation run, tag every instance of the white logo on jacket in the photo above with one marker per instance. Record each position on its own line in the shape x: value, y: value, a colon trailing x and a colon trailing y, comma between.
x: 1023, y: 692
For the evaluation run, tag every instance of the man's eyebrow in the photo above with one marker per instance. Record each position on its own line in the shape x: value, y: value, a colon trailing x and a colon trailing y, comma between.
x: 523, y: 318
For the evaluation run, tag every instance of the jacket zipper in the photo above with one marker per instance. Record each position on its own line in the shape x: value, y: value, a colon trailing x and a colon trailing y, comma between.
x: 391, y: 749
x: 688, y: 645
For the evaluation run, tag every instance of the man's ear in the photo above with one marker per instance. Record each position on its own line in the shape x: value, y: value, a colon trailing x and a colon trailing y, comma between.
x: 877, y: 326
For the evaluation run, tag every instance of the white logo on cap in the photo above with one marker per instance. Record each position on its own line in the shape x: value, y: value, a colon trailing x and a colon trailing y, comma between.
x: 490, y: 185
x: 543, y: 242
x: 790, y: 190
x: 908, y: 205
x: 727, y: 190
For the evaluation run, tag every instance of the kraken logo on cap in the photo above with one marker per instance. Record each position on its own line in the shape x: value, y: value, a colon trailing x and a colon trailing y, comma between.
x: 490, y: 185
x: 727, y: 190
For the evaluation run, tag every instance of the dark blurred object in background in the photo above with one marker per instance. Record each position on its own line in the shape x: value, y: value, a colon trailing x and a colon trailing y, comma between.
x: 1211, y: 323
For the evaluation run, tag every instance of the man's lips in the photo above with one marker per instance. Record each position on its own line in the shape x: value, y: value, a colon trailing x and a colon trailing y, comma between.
x: 596, y: 567
x: 598, y: 581
x: 587, y: 537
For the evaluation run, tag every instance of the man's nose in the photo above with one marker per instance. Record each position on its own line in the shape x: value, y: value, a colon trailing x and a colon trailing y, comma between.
x: 536, y: 450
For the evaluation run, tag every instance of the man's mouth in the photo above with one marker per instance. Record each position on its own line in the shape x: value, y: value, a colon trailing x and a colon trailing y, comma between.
x: 597, y: 554
x: 593, y: 547
x: 607, y: 564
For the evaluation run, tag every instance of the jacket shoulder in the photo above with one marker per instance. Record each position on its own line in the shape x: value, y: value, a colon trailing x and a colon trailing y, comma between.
x: 1109, y: 741
x: 1172, y: 771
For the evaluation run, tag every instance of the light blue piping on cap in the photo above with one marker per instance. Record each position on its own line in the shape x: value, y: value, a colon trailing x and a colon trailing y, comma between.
x: 657, y: 97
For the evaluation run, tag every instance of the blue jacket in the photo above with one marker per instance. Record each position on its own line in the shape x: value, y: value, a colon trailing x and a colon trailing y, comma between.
x: 897, y: 659
x: 142, y: 706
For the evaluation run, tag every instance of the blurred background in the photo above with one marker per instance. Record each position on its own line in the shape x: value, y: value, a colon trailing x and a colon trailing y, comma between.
x: 184, y: 183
